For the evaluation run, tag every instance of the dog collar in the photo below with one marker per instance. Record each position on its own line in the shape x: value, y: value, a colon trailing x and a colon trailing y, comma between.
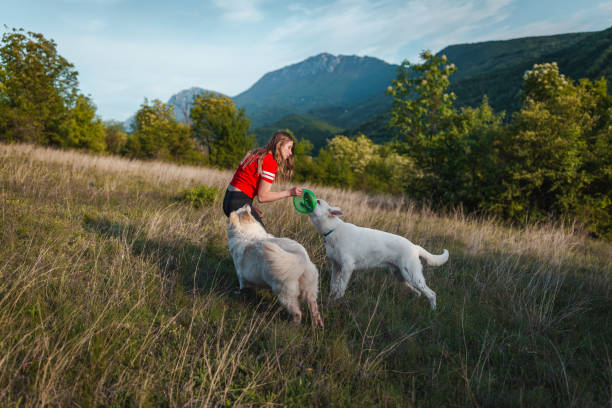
x: 327, y: 233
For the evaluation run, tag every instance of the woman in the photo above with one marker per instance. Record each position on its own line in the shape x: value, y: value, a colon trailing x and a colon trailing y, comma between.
x: 258, y: 170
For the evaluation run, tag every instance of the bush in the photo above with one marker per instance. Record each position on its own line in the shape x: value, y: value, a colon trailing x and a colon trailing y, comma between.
x: 201, y: 196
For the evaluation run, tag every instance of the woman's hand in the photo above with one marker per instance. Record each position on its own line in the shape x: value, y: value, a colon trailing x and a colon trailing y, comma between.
x: 265, y: 195
x: 295, y: 191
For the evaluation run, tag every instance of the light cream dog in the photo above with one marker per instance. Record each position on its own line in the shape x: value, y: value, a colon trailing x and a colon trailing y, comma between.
x: 350, y: 248
x: 281, y: 264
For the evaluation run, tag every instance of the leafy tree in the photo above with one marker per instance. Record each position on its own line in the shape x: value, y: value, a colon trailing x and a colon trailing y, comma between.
x: 388, y: 172
x: 468, y: 164
x: 422, y: 110
x: 545, y: 148
x: 115, y: 136
x: 552, y: 158
x: 452, y: 150
x: 83, y: 129
x: 221, y: 128
x: 359, y: 163
x: 157, y: 135
x: 557, y: 150
x: 38, y: 87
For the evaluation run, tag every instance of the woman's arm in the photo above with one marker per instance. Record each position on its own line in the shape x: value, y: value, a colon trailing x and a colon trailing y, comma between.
x: 266, y: 195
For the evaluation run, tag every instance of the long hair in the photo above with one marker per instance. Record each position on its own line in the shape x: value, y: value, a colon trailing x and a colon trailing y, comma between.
x: 285, y: 167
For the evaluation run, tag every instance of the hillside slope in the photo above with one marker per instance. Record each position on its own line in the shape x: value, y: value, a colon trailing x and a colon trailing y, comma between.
x: 116, y: 291
x: 303, y: 127
x: 500, y: 76
x: 321, y: 81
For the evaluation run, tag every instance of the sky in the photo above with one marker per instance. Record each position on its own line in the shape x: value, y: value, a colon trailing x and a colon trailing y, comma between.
x: 129, y: 50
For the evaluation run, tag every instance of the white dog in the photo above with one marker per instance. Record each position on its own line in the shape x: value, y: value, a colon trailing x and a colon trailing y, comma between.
x: 281, y: 264
x: 350, y: 248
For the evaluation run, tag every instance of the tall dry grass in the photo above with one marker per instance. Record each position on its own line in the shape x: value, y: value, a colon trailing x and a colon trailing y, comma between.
x: 113, y: 291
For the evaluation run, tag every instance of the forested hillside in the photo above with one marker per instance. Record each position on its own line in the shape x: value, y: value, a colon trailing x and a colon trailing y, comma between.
x: 306, y: 126
x: 117, y: 289
x: 496, y: 68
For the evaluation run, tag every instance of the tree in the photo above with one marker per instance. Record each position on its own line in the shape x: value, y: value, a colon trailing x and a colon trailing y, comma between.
x: 115, y: 136
x: 358, y: 162
x: 157, y: 135
x: 468, y: 165
x: 422, y: 110
x: 38, y: 87
x: 557, y: 150
x: 83, y: 129
x: 221, y: 128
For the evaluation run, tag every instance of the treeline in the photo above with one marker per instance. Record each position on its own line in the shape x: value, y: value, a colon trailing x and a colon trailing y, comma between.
x: 551, y: 158
x: 40, y: 103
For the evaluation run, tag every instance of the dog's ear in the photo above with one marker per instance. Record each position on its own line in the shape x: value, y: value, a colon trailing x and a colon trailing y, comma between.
x: 247, y: 207
x: 335, y: 212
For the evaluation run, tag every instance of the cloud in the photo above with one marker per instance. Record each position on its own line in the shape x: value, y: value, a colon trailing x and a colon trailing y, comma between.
x: 384, y: 28
x: 592, y: 19
x: 239, y: 10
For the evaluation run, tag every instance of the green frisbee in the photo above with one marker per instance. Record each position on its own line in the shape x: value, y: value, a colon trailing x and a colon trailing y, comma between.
x: 305, y: 203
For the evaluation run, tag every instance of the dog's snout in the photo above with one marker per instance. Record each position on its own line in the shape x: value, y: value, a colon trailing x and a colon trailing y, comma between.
x: 319, y: 202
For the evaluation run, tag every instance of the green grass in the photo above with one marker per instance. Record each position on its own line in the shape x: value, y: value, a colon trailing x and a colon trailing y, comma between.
x: 115, y: 293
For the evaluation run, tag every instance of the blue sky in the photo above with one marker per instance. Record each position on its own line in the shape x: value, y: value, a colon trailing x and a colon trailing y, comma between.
x: 128, y: 50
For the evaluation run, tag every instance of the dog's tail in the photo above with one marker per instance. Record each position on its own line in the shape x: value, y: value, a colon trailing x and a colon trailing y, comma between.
x: 433, y: 260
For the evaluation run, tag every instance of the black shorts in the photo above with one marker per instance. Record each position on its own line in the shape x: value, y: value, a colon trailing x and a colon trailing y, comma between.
x: 236, y: 199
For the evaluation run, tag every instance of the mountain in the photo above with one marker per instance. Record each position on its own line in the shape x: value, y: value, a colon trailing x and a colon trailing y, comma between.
x: 354, y: 115
x: 304, y: 127
x: 326, y: 95
x: 321, y: 82
x: 488, y: 56
x: 182, y: 102
x: 496, y: 68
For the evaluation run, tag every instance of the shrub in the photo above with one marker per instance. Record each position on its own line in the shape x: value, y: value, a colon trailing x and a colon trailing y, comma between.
x: 201, y: 196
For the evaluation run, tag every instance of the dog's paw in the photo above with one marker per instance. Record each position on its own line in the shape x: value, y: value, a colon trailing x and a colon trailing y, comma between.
x: 317, y: 322
x: 297, y: 318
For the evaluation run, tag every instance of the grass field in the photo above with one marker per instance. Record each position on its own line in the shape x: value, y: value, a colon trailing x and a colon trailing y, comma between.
x: 115, y: 291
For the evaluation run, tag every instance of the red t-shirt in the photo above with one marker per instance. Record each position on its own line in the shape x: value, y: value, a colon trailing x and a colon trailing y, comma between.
x: 246, y: 177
